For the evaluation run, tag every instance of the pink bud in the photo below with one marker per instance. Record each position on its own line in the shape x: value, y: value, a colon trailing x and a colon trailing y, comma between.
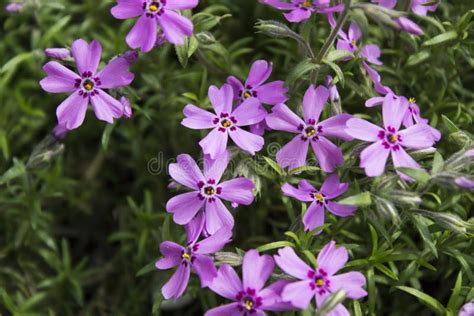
x: 58, y: 53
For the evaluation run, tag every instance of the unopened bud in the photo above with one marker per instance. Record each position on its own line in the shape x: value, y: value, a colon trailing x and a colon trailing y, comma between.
x: 58, y: 53
x: 409, y: 26
x: 130, y: 56
x: 464, y: 182
x: 229, y: 258
x: 127, y: 108
x: 449, y: 221
x: 274, y: 28
x: 205, y: 38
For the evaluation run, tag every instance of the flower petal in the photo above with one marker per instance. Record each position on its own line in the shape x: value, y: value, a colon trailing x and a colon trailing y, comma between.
x: 181, y: 4
x: 371, y: 53
x: 171, y: 255
x: 215, y: 143
x: 299, y: 294
x: 301, y: 195
x: 215, y: 242
x: 238, y: 190
x: 354, y: 31
x: 126, y: 9
x: 72, y: 111
x: 393, y: 110
x: 195, y: 227
x: 184, y: 207
x: 331, y: 258
x: 186, y: 172
x: 293, y: 154
x: 221, y: 99
x: 236, y: 85
x: 351, y: 283
x: 329, y: 155
x: 115, y: 74
x: 177, y: 284
x: 297, y: 15
x: 313, y: 102
x: 227, y: 283
x: 217, y: 216
x: 197, y: 118
x: 249, y: 112
x: 247, y: 141
x: 272, y: 93
x: 231, y: 309
x: 60, y: 79
x: 373, y: 159
x: 291, y: 264
x: 106, y: 108
x: 259, y: 73
x: 313, y: 217
x: 205, y: 269
x: 335, y: 126
x: 256, y: 270
x: 342, y: 210
x: 143, y: 34
x: 215, y: 168
x: 362, y: 129
x: 418, y: 136
x: 374, y: 101
x: 175, y: 27
x: 332, y: 187
x: 283, y: 119
x: 87, y: 56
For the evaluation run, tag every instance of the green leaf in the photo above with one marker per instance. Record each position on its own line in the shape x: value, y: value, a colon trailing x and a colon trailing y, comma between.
x: 425, y: 298
x: 361, y: 199
x: 449, y: 124
x: 299, y: 71
x: 337, y: 54
x: 311, y: 258
x: 386, y: 271
x: 106, y: 135
x: 419, y: 175
x: 294, y: 237
x: 146, y: 269
x: 438, y: 163
x: 301, y: 169
x: 441, y: 38
x: 418, y: 58
x: 337, y: 70
x: 275, y: 245
x: 274, y: 165
x: 454, y: 298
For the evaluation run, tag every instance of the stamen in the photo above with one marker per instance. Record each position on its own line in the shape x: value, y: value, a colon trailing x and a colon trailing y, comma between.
x: 248, y: 305
x: 412, y: 100
x: 310, y: 131
x: 209, y: 190
x: 226, y: 123
x: 247, y: 94
x: 319, y: 282
x: 307, y: 3
x: 319, y: 197
x: 186, y: 256
x: 153, y: 7
x: 88, y: 85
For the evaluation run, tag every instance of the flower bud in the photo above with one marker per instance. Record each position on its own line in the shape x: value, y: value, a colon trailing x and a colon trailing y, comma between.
x: 464, y: 182
x: 205, y: 38
x: 14, y: 7
x: 274, y: 28
x: 409, y: 26
x: 58, y: 53
x: 449, y: 221
x: 229, y: 258
x: 127, y: 108
x: 130, y: 56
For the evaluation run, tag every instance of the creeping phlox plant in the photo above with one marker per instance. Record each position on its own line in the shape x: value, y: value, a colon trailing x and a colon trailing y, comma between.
x: 348, y: 172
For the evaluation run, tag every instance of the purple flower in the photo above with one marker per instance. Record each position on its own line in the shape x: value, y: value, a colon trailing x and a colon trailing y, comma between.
x: 127, y: 108
x: 412, y: 115
x: 207, y: 192
x: 419, y: 7
x: 87, y: 86
x: 347, y: 41
x: 467, y: 309
x: 464, y: 182
x: 60, y: 132
x: 153, y: 13
x: 301, y: 10
x: 333, y: 92
x: 226, y: 122
x: 320, y: 200
x: 309, y: 131
x: 58, y: 53
x: 14, y: 7
x: 319, y: 282
x: 249, y: 295
x: 194, y: 256
x: 409, y: 26
x: 389, y: 139
x: 389, y: 4
x: 270, y: 93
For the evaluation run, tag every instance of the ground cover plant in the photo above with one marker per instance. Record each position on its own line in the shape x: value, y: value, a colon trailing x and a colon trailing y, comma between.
x: 221, y: 157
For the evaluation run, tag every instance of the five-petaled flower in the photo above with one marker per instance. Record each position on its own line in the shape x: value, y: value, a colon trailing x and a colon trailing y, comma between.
x: 207, y: 192
x: 319, y: 282
x: 87, y: 87
x: 226, y: 122
x: 301, y: 10
x: 249, y: 295
x: 193, y: 256
x: 320, y: 200
x: 269, y: 93
x: 389, y: 139
x: 310, y: 131
x: 152, y: 13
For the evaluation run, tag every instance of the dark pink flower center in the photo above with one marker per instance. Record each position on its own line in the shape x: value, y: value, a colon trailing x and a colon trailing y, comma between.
x: 249, y: 301
x: 310, y: 130
x: 319, y: 281
x: 153, y: 8
x: 247, y: 92
x: 390, y: 138
x: 208, y: 190
x: 187, y: 257
x: 225, y: 122
x: 87, y: 84
x: 318, y: 197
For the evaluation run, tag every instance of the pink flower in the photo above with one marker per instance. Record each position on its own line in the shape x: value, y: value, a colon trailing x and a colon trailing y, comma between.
x: 58, y: 53
x: 389, y: 139
x: 249, y: 295
x: 321, y: 281
x: 207, y: 192
x: 320, y: 200
x: 309, y: 131
x: 226, y: 122
x: 87, y: 87
x: 269, y: 93
x: 192, y: 257
x: 301, y: 10
x: 153, y: 13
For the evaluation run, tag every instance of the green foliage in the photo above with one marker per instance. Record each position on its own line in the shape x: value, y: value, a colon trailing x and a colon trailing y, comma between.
x: 81, y: 221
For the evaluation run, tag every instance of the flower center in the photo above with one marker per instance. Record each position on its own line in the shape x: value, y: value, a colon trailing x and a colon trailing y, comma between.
x: 248, y: 304
x: 310, y: 131
x: 392, y: 138
x: 320, y: 282
x: 153, y: 7
x: 319, y: 197
x: 307, y: 3
x: 226, y: 123
x: 247, y: 94
x: 88, y: 85
x: 412, y: 100
x: 209, y: 190
x: 249, y: 301
x: 186, y: 256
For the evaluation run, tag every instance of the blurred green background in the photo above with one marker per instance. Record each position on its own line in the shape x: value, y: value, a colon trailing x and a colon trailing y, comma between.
x: 79, y: 232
